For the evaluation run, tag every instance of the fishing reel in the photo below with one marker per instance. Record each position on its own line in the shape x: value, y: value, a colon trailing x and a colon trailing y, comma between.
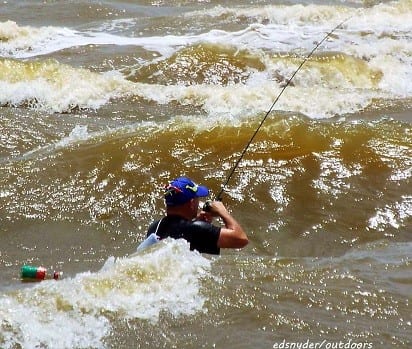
x: 207, y: 206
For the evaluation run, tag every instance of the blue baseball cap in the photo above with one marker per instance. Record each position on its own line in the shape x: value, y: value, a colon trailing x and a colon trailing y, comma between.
x: 182, y: 190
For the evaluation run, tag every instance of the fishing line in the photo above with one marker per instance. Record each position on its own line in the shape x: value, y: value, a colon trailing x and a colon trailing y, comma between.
x: 219, y: 195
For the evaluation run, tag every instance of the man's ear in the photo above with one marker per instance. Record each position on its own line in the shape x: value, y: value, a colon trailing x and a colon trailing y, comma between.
x: 193, y: 204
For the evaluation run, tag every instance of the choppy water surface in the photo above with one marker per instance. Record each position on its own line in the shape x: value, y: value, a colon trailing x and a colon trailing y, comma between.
x: 103, y: 103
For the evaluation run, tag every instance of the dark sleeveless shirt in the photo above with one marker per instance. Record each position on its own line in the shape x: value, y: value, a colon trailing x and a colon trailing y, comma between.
x: 202, y: 236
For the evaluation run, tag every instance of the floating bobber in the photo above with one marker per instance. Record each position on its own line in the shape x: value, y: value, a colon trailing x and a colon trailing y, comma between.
x: 38, y: 273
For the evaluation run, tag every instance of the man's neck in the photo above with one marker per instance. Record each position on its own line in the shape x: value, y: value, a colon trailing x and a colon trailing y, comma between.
x: 180, y: 211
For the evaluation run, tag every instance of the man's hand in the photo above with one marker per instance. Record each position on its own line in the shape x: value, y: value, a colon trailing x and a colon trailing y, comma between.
x: 216, y: 208
x: 205, y: 217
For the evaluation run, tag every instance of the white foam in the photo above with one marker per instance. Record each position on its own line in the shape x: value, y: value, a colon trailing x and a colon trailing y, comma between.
x: 393, y: 215
x: 394, y: 14
x: 26, y: 41
x: 58, y: 88
x: 289, y: 27
x: 379, y: 36
x: 279, y: 14
x: 79, y: 133
x: 78, y: 312
x: 237, y: 102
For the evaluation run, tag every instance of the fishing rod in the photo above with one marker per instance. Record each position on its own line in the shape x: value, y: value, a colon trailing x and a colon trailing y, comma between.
x: 220, y: 194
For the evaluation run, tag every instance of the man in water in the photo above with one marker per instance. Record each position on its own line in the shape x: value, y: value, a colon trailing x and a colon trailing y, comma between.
x: 182, y: 219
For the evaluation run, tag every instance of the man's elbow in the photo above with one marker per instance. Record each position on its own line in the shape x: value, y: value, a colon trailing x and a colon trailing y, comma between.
x: 239, y: 242
x: 243, y: 242
x: 232, y: 239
